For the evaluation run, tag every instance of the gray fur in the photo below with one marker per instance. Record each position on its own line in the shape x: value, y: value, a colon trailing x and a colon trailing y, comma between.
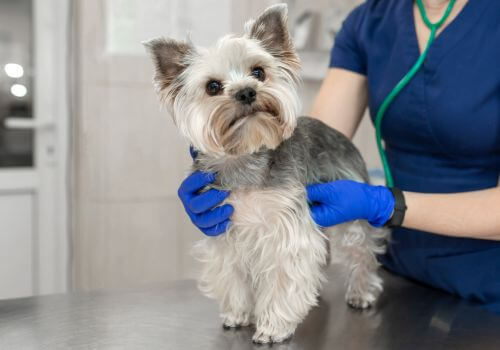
x: 314, y: 153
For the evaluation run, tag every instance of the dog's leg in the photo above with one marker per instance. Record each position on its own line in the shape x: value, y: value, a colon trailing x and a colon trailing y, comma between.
x: 358, y: 245
x: 288, y: 288
x: 222, y: 279
x: 236, y: 301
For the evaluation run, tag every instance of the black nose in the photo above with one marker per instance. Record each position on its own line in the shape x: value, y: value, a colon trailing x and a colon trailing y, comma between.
x: 246, y: 96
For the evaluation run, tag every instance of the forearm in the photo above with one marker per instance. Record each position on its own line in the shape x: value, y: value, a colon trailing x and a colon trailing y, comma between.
x: 469, y: 214
x: 341, y: 101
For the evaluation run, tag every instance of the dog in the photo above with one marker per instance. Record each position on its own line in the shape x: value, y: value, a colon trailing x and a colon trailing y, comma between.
x: 237, y: 104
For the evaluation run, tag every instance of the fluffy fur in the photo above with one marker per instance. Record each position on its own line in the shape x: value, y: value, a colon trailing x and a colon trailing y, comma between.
x: 267, y: 269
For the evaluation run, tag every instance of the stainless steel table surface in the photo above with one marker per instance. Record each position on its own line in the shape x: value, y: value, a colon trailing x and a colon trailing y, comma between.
x: 176, y: 316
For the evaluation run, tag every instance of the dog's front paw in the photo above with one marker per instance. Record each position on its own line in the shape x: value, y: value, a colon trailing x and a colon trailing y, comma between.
x: 235, y: 320
x: 360, y: 300
x: 265, y: 337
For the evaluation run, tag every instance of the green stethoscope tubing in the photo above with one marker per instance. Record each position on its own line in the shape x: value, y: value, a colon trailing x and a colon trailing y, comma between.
x: 403, y: 82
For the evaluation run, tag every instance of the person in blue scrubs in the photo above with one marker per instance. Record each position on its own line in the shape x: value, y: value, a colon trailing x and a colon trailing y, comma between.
x: 441, y: 134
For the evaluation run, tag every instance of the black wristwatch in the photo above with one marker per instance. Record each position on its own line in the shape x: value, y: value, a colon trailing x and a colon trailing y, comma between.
x: 399, y: 208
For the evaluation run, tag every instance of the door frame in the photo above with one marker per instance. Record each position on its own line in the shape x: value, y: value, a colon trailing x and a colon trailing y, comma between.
x: 52, y: 33
x: 49, y: 178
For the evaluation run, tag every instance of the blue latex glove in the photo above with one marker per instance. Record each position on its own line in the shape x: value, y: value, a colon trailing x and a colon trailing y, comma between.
x: 340, y: 201
x: 202, y: 207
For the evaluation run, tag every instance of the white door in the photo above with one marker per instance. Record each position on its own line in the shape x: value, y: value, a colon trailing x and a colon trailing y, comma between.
x: 34, y: 37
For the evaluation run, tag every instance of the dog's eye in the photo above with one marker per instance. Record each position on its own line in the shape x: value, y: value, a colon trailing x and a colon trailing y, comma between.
x: 259, y: 73
x: 214, y: 87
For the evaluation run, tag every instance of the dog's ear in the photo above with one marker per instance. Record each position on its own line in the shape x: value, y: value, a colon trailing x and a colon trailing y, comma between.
x: 270, y: 29
x: 171, y: 58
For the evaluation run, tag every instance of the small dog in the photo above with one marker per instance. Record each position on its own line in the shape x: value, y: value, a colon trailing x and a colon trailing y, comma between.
x: 237, y: 104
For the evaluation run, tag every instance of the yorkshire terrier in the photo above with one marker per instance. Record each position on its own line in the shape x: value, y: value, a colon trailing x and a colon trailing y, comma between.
x: 237, y: 104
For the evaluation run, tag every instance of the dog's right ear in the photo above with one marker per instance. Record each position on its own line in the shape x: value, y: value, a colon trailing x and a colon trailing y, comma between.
x: 171, y: 58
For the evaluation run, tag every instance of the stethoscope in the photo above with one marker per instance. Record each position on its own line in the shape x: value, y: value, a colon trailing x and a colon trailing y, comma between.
x: 404, y: 81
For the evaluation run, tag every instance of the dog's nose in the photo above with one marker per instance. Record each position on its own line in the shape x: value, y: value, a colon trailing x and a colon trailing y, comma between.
x: 246, y: 96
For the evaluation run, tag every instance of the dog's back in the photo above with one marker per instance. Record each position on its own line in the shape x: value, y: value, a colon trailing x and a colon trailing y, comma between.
x: 319, y: 154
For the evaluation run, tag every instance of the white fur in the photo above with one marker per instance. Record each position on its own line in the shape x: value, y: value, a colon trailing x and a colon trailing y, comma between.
x: 268, y: 267
x: 355, y: 244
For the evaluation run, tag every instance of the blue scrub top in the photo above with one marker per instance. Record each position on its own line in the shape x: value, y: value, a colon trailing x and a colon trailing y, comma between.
x: 442, y: 133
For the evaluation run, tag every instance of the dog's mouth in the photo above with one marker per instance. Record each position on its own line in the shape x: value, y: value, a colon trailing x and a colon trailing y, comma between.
x: 251, y: 112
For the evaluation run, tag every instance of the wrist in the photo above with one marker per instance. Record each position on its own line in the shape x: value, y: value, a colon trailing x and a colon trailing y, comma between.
x: 399, y: 209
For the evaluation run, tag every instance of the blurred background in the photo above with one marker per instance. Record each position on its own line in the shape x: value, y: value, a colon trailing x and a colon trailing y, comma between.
x: 89, y: 165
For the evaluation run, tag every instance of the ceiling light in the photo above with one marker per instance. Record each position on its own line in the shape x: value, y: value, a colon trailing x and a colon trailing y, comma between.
x: 14, y: 70
x: 18, y: 90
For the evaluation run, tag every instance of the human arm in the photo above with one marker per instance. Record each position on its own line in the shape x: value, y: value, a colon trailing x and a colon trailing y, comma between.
x: 341, y: 100
x: 473, y: 214
x: 469, y: 214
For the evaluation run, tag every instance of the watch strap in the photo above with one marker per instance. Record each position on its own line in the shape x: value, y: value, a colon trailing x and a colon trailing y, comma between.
x: 399, y: 208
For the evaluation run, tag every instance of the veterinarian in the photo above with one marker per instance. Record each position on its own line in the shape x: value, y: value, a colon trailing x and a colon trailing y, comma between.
x: 442, y: 141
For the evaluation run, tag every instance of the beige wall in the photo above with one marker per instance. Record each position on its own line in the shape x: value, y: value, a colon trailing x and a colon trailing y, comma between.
x: 129, y: 160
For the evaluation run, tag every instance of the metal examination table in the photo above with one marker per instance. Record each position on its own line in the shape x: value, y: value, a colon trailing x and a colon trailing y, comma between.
x: 176, y: 316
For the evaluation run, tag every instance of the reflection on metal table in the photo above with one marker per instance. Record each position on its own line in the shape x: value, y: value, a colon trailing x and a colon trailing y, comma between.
x: 176, y: 316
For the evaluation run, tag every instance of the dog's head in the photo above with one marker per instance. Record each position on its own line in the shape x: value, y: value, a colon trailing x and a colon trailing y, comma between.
x: 237, y: 97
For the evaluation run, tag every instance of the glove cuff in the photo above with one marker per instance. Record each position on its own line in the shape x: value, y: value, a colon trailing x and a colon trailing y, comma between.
x: 382, y: 205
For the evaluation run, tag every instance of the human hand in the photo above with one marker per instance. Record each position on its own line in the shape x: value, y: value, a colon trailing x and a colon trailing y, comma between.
x: 340, y: 201
x: 202, y: 207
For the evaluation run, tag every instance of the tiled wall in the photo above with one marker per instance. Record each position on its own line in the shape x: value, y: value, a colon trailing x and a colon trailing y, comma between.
x: 129, y: 160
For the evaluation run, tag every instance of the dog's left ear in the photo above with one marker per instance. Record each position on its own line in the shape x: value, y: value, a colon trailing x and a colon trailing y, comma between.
x: 270, y: 28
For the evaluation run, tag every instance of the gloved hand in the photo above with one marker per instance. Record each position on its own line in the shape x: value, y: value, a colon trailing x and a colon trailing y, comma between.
x: 340, y: 201
x: 201, y: 206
